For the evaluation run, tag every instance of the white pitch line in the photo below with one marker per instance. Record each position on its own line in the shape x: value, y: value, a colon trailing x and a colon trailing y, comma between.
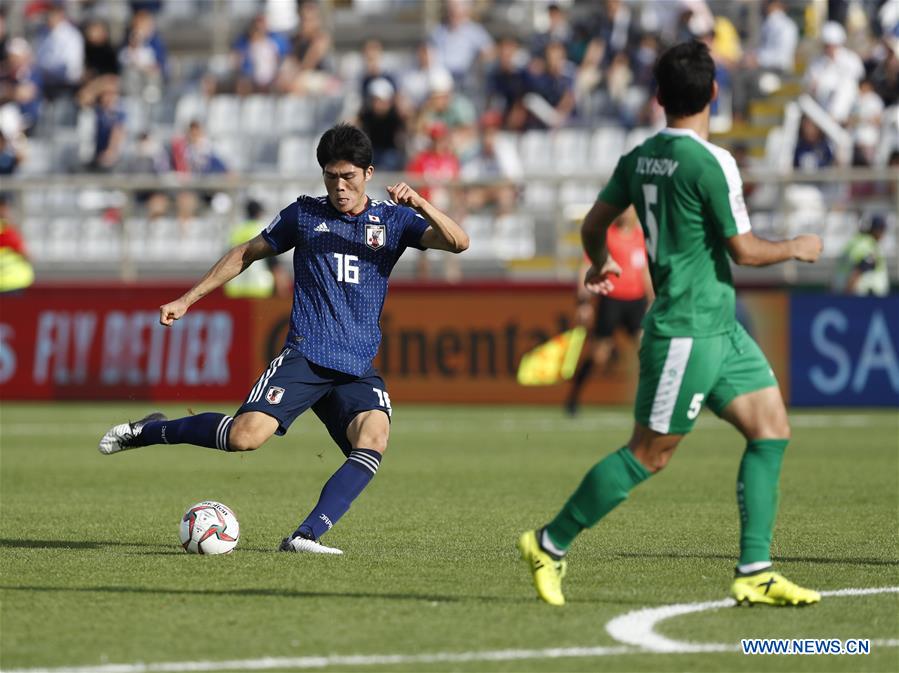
x: 634, y: 628
x: 637, y: 628
x: 274, y: 663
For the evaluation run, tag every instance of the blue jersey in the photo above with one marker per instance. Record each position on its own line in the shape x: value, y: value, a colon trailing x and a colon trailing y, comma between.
x: 341, y: 263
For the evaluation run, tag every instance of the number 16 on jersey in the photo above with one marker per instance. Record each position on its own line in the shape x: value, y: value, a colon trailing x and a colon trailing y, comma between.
x: 347, y: 271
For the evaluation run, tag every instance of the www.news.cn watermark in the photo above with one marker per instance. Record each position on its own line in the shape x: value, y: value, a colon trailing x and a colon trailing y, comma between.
x: 849, y: 646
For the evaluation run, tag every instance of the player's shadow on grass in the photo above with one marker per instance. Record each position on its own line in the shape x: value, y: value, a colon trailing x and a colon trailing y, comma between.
x: 74, y: 544
x: 277, y: 593
x: 781, y: 559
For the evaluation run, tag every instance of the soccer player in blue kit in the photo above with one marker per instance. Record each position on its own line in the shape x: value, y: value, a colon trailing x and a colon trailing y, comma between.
x: 345, y: 246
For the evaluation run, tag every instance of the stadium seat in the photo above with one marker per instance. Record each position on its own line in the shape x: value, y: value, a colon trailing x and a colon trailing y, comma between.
x: 569, y: 150
x: 63, y: 236
x: 101, y: 239
x: 233, y: 150
x: 34, y: 235
x: 39, y: 159
x: 540, y: 196
x: 224, y: 116
x: 189, y: 107
x: 137, y: 115
x: 257, y: 115
x: 606, y: 145
x: 296, y: 155
x: 636, y: 137
x: 535, y: 147
x: 295, y: 114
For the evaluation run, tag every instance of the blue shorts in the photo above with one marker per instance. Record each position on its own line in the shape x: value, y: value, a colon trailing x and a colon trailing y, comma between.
x: 292, y: 384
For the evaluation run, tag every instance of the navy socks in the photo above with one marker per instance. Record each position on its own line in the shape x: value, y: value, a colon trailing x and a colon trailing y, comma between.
x: 338, y: 494
x: 209, y: 430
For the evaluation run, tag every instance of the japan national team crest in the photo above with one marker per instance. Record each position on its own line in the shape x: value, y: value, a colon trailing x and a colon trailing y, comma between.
x: 274, y: 394
x: 375, y: 235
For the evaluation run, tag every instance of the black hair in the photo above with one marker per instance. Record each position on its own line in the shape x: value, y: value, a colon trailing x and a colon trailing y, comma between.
x: 254, y: 209
x: 685, y: 75
x: 344, y: 142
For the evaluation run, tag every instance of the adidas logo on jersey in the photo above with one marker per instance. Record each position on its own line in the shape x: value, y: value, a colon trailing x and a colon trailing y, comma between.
x: 322, y: 227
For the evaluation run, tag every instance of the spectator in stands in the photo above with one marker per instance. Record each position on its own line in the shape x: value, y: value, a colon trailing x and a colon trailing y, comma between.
x: 257, y: 56
x: 109, y: 138
x: 282, y: 18
x: 775, y: 56
x: 778, y: 41
x: 4, y: 35
x: 257, y: 280
x: 435, y: 165
x: 429, y: 172
x: 141, y: 67
x: 415, y: 83
x: 813, y: 149
x: 885, y: 75
x: 10, y: 156
x: 615, y: 28
x: 866, y: 118
x: 143, y: 22
x: 833, y: 77
x: 384, y: 125
x: 558, y: 29
x: 550, y: 89
x: 460, y: 43
x: 149, y: 158
x: 194, y: 154
x: 100, y: 56
x: 496, y: 163
x: 451, y: 109
x: 506, y: 82
x: 20, y: 83
x: 308, y: 67
x: 862, y: 268
x: 373, y: 58
x: 60, y: 54
x: 16, y: 272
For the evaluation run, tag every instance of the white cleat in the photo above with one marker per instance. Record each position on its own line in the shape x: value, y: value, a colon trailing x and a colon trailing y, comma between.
x: 123, y: 436
x: 302, y: 545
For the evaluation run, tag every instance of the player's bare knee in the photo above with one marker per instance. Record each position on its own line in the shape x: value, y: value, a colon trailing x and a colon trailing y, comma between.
x: 243, y: 441
x: 374, y: 439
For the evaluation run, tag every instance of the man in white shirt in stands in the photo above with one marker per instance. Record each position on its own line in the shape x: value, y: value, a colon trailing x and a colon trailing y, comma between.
x: 833, y: 77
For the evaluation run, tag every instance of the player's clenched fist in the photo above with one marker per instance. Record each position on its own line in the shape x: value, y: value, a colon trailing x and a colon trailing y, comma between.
x: 404, y: 195
x: 169, y: 313
x: 600, y: 281
x: 807, y: 247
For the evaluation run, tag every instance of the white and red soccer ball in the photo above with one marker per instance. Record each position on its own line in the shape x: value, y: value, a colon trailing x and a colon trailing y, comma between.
x: 209, y: 527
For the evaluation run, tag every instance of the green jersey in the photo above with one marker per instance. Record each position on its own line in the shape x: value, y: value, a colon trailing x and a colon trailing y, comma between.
x: 689, y: 198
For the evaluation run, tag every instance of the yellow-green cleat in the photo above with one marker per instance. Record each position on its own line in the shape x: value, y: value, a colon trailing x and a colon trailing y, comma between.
x: 547, y: 571
x: 771, y: 588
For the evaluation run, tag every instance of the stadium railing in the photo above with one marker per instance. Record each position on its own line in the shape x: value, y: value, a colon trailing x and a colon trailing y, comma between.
x: 94, y: 226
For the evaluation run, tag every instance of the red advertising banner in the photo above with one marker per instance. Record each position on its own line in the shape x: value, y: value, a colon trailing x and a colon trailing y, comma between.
x: 101, y: 344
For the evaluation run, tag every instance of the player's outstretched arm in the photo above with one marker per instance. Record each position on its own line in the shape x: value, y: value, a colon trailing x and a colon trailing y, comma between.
x: 444, y: 233
x: 749, y: 250
x: 593, y: 236
x: 229, y: 266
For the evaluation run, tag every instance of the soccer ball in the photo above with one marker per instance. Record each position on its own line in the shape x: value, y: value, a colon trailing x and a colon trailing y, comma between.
x: 209, y: 528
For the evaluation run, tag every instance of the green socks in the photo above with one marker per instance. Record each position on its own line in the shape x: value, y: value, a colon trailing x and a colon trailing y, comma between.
x: 603, y: 488
x: 757, y: 494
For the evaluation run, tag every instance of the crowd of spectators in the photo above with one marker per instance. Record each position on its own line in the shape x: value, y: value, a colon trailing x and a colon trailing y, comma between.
x: 588, y: 70
x: 439, y: 109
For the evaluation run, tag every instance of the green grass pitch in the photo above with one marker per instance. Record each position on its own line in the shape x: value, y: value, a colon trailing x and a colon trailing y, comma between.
x: 91, y: 571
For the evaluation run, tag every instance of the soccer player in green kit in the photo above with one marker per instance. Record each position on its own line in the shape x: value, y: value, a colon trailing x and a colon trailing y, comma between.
x: 688, y: 195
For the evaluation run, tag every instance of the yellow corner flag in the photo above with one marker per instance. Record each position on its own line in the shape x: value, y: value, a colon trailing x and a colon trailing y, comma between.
x: 553, y: 361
